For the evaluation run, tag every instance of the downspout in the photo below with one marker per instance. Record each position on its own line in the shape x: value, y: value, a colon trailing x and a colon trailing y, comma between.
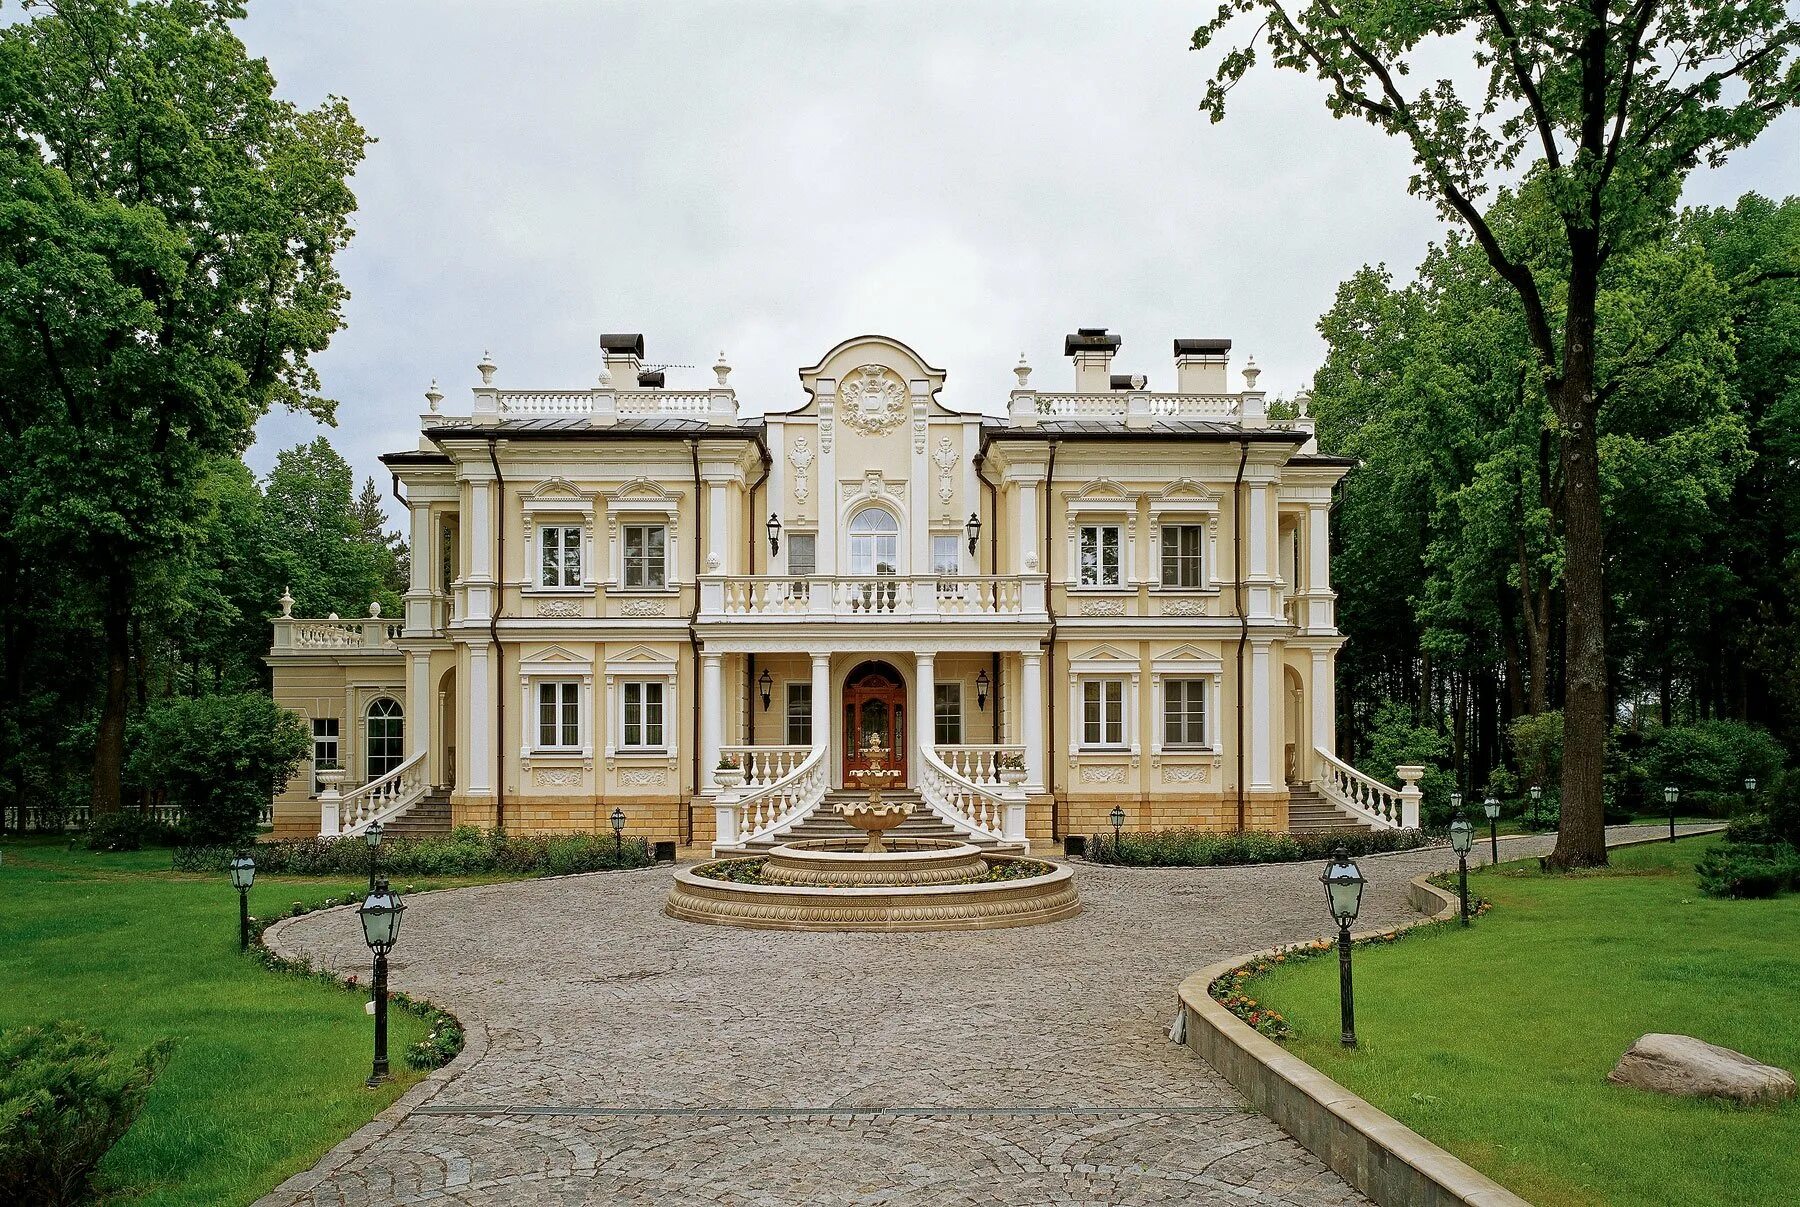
x: 494, y: 641
x: 1050, y: 675
x: 1237, y: 591
x: 687, y: 815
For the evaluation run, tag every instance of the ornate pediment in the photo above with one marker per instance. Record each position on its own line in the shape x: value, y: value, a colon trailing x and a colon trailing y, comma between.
x: 1186, y: 488
x: 1106, y: 653
x: 641, y: 654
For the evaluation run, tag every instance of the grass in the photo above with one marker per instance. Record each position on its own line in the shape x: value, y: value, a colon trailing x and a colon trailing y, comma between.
x: 1495, y: 1042
x: 268, y: 1069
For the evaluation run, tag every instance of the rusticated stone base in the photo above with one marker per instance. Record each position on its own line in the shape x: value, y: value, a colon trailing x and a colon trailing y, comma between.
x: 985, y: 906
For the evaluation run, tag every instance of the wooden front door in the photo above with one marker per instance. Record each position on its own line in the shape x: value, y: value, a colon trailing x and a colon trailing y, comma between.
x: 875, y: 712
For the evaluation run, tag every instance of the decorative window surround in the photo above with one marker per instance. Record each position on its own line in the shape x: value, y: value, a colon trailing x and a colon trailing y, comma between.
x: 555, y: 664
x: 1185, y: 501
x: 556, y: 503
x: 640, y: 664
x: 1102, y: 502
x: 1105, y: 662
x: 642, y: 502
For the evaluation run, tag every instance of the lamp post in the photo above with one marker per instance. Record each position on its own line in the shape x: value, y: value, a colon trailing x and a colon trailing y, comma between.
x: 243, y: 875
x: 1462, y: 837
x: 973, y: 528
x: 1749, y: 793
x: 372, y: 836
x: 774, y: 527
x: 380, y: 913
x: 1491, y: 807
x: 1671, y: 795
x: 1537, y: 798
x: 618, y: 825
x: 1343, y: 882
x: 1117, y: 817
x: 766, y: 685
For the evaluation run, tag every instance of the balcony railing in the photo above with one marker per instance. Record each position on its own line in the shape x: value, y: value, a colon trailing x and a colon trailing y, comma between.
x: 333, y: 633
x: 876, y: 596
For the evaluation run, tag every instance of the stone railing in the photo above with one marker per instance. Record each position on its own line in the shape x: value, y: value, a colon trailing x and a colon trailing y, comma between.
x: 873, y: 596
x: 981, y: 765
x: 601, y: 406
x: 994, y: 812
x: 1122, y: 404
x: 333, y: 633
x: 380, y: 800
x: 761, y: 766
x: 1383, y: 807
x: 751, y: 814
x: 49, y: 819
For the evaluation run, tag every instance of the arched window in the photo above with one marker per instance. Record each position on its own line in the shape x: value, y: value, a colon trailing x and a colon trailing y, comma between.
x: 385, y: 726
x: 874, y: 542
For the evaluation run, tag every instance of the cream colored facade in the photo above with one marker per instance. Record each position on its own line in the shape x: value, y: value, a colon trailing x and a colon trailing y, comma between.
x: 1127, y: 591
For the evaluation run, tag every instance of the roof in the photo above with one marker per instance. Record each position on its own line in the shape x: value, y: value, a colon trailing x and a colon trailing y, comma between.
x: 580, y: 427
x: 1162, y: 429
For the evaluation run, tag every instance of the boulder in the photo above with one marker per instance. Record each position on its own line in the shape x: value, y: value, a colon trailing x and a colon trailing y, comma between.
x: 1681, y: 1064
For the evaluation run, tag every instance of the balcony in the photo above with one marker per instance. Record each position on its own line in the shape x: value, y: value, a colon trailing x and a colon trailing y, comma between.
x: 333, y: 635
x: 877, y: 597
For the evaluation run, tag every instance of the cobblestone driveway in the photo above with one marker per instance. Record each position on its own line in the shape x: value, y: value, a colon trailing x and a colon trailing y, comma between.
x: 631, y: 1058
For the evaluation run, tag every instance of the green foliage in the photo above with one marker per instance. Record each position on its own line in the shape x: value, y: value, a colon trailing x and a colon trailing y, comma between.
x: 128, y: 831
x: 1537, y: 743
x: 1396, y: 741
x: 1734, y: 869
x: 220, y: 758
x: 65, y: 1098
x: 462, y: 854
x: 1708, y: 761
x: 1194, y: 848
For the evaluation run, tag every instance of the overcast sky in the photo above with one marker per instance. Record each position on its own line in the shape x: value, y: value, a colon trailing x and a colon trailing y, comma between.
x: 975, y: 179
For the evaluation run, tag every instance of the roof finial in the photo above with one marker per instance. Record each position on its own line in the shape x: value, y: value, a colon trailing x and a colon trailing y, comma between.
x: 1022, y: 371
x: 433, y: 395
x: 722, y: 370
x: 486, y: 368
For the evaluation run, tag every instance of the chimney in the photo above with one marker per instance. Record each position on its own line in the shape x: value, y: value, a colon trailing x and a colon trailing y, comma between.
x: 1092, y: 348
x: 624, y: 359
x: 1200, y: 365
x: 650, y: 379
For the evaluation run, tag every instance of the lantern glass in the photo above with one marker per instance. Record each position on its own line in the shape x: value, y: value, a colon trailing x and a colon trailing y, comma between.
x: 618, y: 821
x: 380, y: 913
x: 981, y: 689
x: 243, y: 871
x: 1343, y: 882
x: 1491, y: 807
x: 1456, y: 800
x: 774, y: 527
x: 1118, y: 816
x: 1671, y: 794
x: 372, y: 835
x: 766, y: 685
x: 1462, y: 835
x: 1537, y: 793
x: 1749, y: 783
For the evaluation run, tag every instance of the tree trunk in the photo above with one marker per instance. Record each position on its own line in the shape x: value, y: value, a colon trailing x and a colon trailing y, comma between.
x: 1581, y: 836
x: 109, y: 744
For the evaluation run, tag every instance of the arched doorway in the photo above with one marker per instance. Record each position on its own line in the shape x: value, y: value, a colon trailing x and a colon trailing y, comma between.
x: 875, y: 712
x: 1297, y: 750
x: 446, y: 764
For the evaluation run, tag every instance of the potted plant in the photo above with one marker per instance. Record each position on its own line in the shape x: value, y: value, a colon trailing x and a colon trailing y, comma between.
x: 728, y: 774
x: 1011, y: 766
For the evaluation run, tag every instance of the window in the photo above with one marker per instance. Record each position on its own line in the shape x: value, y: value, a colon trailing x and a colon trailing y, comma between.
x: 559, y: 557
x: 325, y: 748
x: 874, y: 542
x: 1181, y: 544
x: 803, y: 554
x: 386, y: 729
x: 948, y: 700
x: 1099, y: 555
x: 643, y: 719
x: 645, y: 568
x: 1103, y: 712
x: 559, y: 715
x: 799, y: 714
x: 946, y: 554
x: 1184, y: 712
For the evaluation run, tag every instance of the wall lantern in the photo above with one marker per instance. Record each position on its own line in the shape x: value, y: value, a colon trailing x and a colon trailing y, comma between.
x: 1343, y: 882
x: 973, y: 528
x: 766, y: 686
x: 981, y: 690
x: 380, y: 913
x: 774, y: 527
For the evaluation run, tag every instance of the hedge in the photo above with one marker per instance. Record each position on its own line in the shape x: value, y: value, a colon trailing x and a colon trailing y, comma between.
x: 1193, y: 848
x: 465, y: 852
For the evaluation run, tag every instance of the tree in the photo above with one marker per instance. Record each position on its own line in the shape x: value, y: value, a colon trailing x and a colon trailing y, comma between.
x: 219, y: 758
x: 371, y: 518
x: 167, y: 238
x: 1615, y: 102
x: 317, y: 537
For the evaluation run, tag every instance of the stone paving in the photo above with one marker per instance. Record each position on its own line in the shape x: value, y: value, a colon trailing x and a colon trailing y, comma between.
x: 630, y: 1058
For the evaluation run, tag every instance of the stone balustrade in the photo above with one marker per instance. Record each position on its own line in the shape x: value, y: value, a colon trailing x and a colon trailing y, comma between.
x: 333, y: 633
x: 1384, y: 807
x: 864, y: 597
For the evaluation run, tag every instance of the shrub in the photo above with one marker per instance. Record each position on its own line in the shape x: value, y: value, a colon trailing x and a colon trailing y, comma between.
x: 466, y: 852
x: 128, y: 831
x: 1193, y: 848
x: 65, y: 1099
x: 1708, y: 762
x: 219, y: 757
x: 1782, y: 805
x: 1734, y: 869
x: 1395, y: 740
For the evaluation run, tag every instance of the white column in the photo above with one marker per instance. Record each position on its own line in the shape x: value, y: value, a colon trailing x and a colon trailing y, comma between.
x: 482, y: 572
x: 1029, y: 543
x: 1318, y: 548
x: 1324, y: 706
x: 821, y: 700
x: 1030, y: 709
x: 712, y: 710
x: 1262, y: 717
x: 925, y: 700
x: 418, y: 702
x: 478, y: 771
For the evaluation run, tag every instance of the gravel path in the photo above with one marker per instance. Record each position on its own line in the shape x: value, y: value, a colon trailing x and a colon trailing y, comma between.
x: 630, y: 1058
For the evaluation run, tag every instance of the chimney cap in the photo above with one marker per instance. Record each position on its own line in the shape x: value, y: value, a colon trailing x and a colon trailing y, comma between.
x: 1090, y: 339
x: 1129, y: 381
x: 1202, y: 347
x: 650, y: 379
x: 632, y: 344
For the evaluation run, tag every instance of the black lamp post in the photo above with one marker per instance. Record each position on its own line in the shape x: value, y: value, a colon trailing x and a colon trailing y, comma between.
x: 774, y: 527
x: 1537, y: 798
x: 243, y: 875
x: 973, y: 528
x: 1671, y: 795
x: 981, y: 690
x: 1117, y: 817
x: 1462, y: 838
x: 1491, y: 807
x: 1343, y: 882
x: 766, y: 685
x: 372, y: 836
x: 380, y: 913
x: 618, y: 825
x: 1749, y: 793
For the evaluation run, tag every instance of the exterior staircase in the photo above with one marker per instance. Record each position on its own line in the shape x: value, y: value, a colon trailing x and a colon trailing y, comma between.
x: 826, y: 822
x: 1310, y: 813
x: 430, y: 818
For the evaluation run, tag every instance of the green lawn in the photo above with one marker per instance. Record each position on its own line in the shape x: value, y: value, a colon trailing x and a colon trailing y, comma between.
x: 1495, y: 1042
x: 268, y: 1068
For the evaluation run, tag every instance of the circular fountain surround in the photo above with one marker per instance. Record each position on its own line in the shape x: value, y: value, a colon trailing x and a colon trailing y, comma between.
x: 915, y: 884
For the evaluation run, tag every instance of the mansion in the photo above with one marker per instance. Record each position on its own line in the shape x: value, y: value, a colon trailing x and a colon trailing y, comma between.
x: 632, y: 597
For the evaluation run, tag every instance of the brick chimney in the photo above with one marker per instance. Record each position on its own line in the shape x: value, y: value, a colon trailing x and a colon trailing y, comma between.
x: 1092, y: 349
x: 1200, y: 366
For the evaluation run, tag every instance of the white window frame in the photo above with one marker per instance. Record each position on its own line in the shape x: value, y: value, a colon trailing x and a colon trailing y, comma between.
x: 1206, y: 713
x: 335, y: 739
x: 556, y: 664
x: 638, y: 665
x: 1163, y: 533
x: 556, y: 503
x: 1100, y: 528
x: 898, y: 536
x: 368, y: 738
x: 1185, y: 502
x: 1188, y: 662
x: 951, y: 689
x: 650, y: 563
x: 559, y: 534
x: 636, y: 504
x: 792, y: 539
x: 663, y: 693
x: 795, y: 689
x: 1099, y: 685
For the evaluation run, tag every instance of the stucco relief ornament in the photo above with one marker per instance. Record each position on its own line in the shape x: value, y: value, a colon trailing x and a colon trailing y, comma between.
x: 945, y: 458
x: 873, y: 400
x: 559, y: 609
x: 801, y: 458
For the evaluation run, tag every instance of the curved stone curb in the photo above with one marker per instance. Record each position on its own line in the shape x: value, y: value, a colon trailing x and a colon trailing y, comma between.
x: 1368, y: 1148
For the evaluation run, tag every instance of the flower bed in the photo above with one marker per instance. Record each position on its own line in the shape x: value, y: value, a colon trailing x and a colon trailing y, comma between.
x: 1195, y: 848
x: 749, y: 871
